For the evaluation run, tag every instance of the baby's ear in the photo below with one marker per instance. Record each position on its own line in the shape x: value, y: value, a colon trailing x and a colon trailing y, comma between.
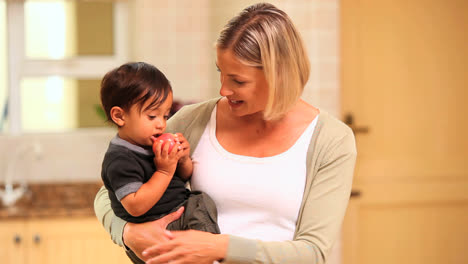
x: 117, y: 115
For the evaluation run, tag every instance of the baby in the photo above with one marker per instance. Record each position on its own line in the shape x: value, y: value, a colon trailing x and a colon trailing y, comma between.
x: 145, y: 179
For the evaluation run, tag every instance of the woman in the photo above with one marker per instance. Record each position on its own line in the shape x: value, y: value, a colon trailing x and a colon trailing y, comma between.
x: 278, y: 169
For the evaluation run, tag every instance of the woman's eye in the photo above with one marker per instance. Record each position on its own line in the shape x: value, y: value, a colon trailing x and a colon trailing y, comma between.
x: 238, y: 82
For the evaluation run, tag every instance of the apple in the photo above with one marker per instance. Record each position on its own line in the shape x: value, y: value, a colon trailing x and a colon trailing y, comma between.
x: 165, y: 138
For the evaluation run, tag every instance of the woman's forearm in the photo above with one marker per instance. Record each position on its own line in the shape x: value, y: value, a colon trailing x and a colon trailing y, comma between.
x: 189, y: 246
x: 112, y: 224
x: 244, y: 251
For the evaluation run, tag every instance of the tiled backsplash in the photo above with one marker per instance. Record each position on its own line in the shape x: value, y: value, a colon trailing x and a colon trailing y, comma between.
x: 72, y: 156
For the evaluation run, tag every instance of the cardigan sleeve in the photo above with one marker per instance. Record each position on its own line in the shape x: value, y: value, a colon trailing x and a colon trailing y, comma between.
x: 112, y: 224
x: 323, y: 211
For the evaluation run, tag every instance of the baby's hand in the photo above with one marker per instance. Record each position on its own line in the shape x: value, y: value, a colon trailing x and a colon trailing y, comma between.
x: 183, y: 146
x: 165, y: 160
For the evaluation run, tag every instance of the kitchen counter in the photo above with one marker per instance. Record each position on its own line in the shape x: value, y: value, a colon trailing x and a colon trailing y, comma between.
x: 45, y: 200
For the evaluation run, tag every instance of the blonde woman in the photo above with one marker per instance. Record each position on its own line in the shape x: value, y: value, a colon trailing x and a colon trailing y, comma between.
x: 278, y: 168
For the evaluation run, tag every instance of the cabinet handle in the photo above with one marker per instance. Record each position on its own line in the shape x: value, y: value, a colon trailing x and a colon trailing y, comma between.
x: 37, y: 239
x: 355, y: 193
x: 17, y: 239
x: 349, y: 120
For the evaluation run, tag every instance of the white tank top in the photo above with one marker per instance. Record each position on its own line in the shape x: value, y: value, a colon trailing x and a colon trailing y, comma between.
x: 257, y: 198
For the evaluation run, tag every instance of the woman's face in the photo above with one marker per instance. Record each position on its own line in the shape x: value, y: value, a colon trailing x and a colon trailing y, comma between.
x: 245, y: 87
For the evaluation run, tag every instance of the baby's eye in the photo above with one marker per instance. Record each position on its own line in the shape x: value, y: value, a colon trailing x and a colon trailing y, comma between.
x: 151, y: 117
x: 166, y: 117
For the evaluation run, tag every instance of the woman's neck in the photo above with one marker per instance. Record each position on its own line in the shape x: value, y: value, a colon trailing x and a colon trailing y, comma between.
x: 256, y: 137
x: 299, y: 113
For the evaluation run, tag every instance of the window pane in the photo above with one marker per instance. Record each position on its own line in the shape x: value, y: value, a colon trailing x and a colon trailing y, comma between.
x: 3, y: 69
x: 60, y: 29
x: 60, y: 104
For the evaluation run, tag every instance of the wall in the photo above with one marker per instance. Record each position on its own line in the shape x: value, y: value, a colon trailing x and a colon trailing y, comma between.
x: 174, y: 36
x: 62, y: 157
x: 178, y: 37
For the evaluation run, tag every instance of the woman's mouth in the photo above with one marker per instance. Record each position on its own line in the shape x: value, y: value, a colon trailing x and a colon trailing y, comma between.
x: 235, y: 103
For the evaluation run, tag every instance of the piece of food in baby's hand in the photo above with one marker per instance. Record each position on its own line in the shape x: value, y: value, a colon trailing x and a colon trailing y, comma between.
x: 167, y: 138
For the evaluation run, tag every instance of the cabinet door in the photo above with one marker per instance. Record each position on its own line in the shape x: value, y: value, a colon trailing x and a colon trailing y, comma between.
x: 12, y: 242
x: 72, y: 241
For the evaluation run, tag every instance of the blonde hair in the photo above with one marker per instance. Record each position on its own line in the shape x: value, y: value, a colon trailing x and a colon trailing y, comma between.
x: 263, y: 36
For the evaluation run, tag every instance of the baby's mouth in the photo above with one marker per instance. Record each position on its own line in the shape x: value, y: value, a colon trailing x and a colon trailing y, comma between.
x: 154, y: 137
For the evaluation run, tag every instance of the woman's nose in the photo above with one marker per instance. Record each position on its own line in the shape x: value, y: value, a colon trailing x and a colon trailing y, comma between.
x: 224, y: 91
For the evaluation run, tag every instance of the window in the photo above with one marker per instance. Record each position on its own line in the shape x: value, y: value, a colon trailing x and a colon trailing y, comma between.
x: 3, y: 72
x: 54, y: 55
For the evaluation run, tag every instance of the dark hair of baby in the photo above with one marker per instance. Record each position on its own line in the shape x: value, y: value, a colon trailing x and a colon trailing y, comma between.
x: 134, y: 83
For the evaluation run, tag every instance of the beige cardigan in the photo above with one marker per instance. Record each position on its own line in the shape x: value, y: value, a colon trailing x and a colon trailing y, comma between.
x: 330, y: 163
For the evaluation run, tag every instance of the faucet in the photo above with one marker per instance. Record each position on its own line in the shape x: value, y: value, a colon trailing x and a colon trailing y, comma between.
x: 10, y: 194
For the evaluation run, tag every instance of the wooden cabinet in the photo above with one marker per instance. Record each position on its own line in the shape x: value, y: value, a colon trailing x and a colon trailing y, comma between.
x: 58, y: 240
x: 12, y: 249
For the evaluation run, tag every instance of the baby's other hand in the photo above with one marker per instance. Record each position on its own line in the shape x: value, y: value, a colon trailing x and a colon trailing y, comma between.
x: 183, y: 147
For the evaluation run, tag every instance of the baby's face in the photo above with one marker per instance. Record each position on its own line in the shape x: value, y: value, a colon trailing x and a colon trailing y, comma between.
x: 140, y: 124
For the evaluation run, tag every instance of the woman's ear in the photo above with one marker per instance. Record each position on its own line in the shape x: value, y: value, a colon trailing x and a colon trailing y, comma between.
x: 117, y: 115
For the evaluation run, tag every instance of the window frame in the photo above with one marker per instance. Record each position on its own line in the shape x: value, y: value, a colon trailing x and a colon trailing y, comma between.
x: 19, y: 66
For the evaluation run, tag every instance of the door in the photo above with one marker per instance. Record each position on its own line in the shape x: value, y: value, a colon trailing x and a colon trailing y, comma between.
x: 405, y: 89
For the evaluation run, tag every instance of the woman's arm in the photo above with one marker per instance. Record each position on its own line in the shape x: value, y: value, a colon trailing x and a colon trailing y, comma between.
x: 112, y: 224
x: 137, y: 237
x: 190, y: 246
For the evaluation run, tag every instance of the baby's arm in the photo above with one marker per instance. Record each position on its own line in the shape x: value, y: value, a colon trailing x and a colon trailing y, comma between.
x: 185, y: 165
x: 138, y: 203
x: 185, y: 168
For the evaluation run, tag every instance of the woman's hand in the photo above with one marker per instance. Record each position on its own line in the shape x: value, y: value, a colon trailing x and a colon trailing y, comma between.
x: 189, y: 246
x: 141, y: 236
